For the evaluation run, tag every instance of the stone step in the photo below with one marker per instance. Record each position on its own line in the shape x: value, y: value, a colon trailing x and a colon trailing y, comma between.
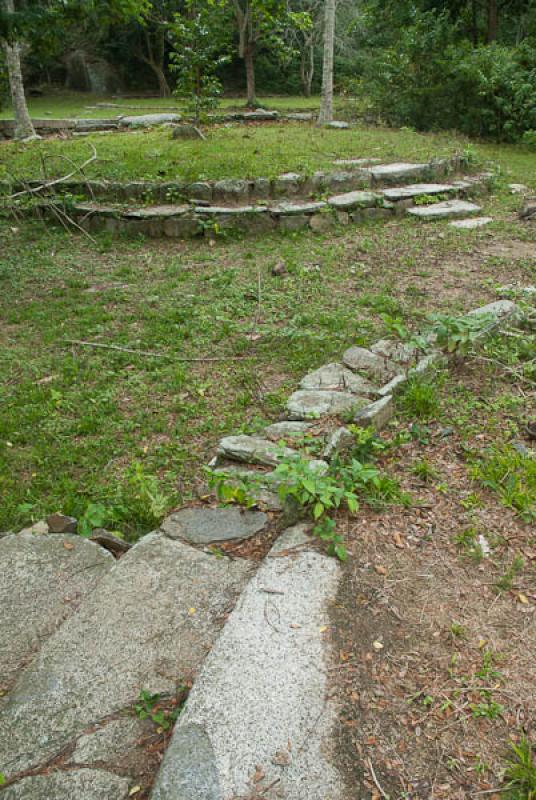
x: 149, y: 625
x: 314, y: 404
x: 43, y: 580
x: 253, y: 450
x: 258, y: 719
x: 445, y: 210
x: 470, y: 224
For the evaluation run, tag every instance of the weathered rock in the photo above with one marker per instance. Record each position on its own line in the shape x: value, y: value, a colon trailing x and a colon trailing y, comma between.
x: 154, y: 616
x: 341, y: 440
x: 276, y: 719
x: 148, y: 120
x: 186, y: 132
x: 200, y: 190
x: 395, y: 351
x: 287, y: 184
x: 300, y: 116
x: 417, y: 190
x: 377, y: 414
x: 321, y: 223
x: 310, y: 404
x: 39, y: 528
x: 253, y: 450
x: 42, y: 582
x: 392, y: 173
x: 294, y: 222
x: 338, y: 125
x: 444, y: 210
x: 500, y: 309
x: 529, y: 210
x: 393, y: 386
x: 355, y: 162
x: 351, y: 200
x: 82, y: 784
x: 373, y: 365
x: 259, y: 115
x: 285, y: 430
x: 339, y: 378
x: 111, y: 743
x: 203, y: 525
x: 59, y: 523
x: 231, y: 190
x: 469, y: 224
x: 110, y: 542
x: 518, y: 188
x: 295, y: 209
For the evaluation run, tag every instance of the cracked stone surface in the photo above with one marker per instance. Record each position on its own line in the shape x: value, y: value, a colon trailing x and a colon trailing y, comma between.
x: 42, y: 582
x: 150, y: 624
x: 444, y: 210
x: 395, y: 351
x: 337, y: 377
x: 377, y: 414
x: 388, y: 173
x: 307, y: 404
x: 82, y: 784
x: 286, y: 429
x: 204, y: 525
x: 146, y: 120
x: 417, y: 190
x: 111, y: 743
x: 376, y: 367
x: 253, y: 450
x: 351, y: 200
x: 276, y: 717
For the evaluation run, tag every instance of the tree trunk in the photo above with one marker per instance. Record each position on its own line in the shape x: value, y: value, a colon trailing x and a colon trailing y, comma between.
x: 249, y: 60
x: 474, y: 22
x: 326, y: 102
x: 163, y: 85
x: 492, y: 21
x: 23, y: 124
x: 307, y: 67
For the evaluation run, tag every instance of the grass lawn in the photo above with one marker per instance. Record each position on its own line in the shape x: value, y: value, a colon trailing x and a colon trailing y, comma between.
x: 73, y: 105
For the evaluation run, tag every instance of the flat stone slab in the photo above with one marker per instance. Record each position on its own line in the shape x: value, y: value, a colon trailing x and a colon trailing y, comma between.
x: 444, y: 210
x: 313, y: 404
x: 376, y: 414
x: 300, y: 116
x: 395, y: 351
x: 82, y: 784
x: 253, y: 450
x: 338, y: 125
x: 498, y: 309
x: 373, y: 365
x: 43, y: 579
x: 146, y: 120
x: 209, y: 525
x: 355, y: 162
x: 397, y: 171
x: 156, y: 212
x: 469, y: 224
x: 417, y: 190
x: 338, y: 378
x: 292, y: 209
x: 276, y: 719
x: 149, y: 625
x: 288, y: 429
x: 350, y: 200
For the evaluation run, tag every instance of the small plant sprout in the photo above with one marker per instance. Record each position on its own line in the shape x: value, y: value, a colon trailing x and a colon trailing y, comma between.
x: 520, y: 772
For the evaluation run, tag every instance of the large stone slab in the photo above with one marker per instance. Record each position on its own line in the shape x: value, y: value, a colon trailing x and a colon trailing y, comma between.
x: 287, y: 429
x: 149, y: 625
x: 313, y: 404
x: 400, y: 171
x: 203, y: 525
x: 500, y: 309
x: 82, y: 784
x: 295, y: 209
x: 351, y: 200
x: 147, y: 120
x: 396, y: 351
x: 377, y: 414
x: 444, y: 210
x: 417, y: 190
x: 253, y: 450
x: 470, y: 224
x: 260, y: 706
x: 339, y: 378
x: 43, y: 579
x: 373, y: 365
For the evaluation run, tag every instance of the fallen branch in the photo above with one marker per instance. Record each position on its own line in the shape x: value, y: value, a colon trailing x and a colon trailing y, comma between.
x: 152, y: 353
x: 47, y: 184
x: 376, y: 781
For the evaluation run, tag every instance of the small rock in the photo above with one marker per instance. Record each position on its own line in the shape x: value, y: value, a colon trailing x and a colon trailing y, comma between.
x: 377, y: 414
x: 187, y: 132
x: 518, y: 188
x: 210, y: 525
x: 371, y: 364
x: 470, y: 224
x: 59, y: 523
x: 529, y: 209
x: 338, y: 125
x: 342, y: 440
x: 282, y: 430
x: 110, y: 542
x: 253, y: 450
x: 279, y: 269
x: 337, y: 377
x: 37, y: 529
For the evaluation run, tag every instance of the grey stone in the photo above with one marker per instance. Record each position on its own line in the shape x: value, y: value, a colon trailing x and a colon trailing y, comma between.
x: 339, y: 378
x: 155, y: 615
x: 310, y: 404
x: 444, y: 210
x: 39, y: 528
x: 322, y: 223
x: 351, y: 200
x: 529, y: 210
x: 372, y: 214
x: 295, y: 209
x: 341, y: 440
x: 202, y: 525
x: 286, y: 429
x: 376, y: 414
x: 518, y: 188
x: 338, y: 125
x: 186, y: 132
x: 111, y: 743
x: 348, y: 180
x: 393, y: 386
x: 253, y: 450
x: 232, y: 211
x: 110, y: 542
x: 182, y: 227
x: 500, y: 309
x: 232, y: 189
x: 293, y: 223
x: 374, y: 366
x: 469, y: 224
x: 277, y: 718
x: 287, y: 184
x: 81, y: 784
x: 392, y: 173
x: 42, y: 582
x: 260, y: 188
x: 417, y: 190
x: 398, y: 352
x: 147, y: 120
x: 91, y: 125
x: 259, y: 115
x: 300, y: 116
x: 355, y: 162
x: 200, y: 191
x: 156, y: 212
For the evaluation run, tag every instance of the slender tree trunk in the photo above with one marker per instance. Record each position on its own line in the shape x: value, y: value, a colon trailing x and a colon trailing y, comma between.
x: 307, y: 67
x: 474, y: 22
x: 249, y: 61
x: 326, y: 102
x: 163, y: 85
x: 23, y: 124
x: 492, y: 21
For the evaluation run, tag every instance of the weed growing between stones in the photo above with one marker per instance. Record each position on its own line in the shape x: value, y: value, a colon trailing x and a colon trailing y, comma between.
x: 162, y: 711
x: 520, y: 772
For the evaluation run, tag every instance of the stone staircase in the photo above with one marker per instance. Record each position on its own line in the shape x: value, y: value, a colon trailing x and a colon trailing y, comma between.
x: 360, y: 189
x: 83, y: 632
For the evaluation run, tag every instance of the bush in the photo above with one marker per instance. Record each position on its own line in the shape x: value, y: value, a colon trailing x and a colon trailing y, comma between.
x: 432, y: 80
